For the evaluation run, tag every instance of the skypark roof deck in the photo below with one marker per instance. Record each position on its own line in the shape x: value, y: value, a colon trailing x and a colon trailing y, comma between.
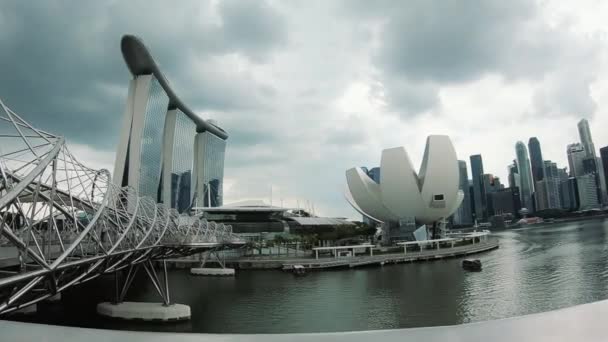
x: 140, y: 62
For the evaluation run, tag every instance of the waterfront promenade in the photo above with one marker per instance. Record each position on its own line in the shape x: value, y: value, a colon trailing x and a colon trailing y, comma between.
x: 284, y: 262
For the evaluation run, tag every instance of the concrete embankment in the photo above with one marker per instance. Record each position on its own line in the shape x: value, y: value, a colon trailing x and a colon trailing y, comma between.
x: 348, y: 262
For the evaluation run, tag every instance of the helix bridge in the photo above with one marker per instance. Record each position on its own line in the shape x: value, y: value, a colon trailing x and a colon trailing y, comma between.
x: 63, y: 223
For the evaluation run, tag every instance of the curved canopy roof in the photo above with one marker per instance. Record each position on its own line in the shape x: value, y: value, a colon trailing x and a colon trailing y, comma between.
x: 140, y: 62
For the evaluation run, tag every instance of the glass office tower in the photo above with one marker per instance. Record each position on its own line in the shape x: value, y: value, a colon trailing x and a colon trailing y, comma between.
x: 525, y: 175
x: 479, y: 196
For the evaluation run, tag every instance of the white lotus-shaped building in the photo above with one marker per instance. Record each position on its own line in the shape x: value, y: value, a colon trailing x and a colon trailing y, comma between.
x: 428, y: 196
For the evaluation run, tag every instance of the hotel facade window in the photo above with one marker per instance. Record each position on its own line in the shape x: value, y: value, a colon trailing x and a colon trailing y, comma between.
x: 210, y: 151
x: 178, y: 161
x: 152, y: 142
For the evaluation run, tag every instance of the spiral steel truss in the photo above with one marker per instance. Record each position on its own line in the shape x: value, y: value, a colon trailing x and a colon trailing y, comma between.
x: 63, y: 223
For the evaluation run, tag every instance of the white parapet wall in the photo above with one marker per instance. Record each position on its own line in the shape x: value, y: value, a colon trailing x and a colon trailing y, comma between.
x: 144, y: 311
x: 203, y: 271
x: 585, y: 322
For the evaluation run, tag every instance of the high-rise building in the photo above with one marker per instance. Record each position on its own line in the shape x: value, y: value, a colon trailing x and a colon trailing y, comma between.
x: 593, y: 166
x: 547, y: 194
x: 472, y: 199
x: 568, y: 194
x: 491, y: 183
x: 562, y: 173
x: 540, y: 195
x: 513, y: 175
x: 576, y: 154
x: 604, y: 158
x: 525, y: 175
x: 589, y: 165
x: 160, y: 152
x: 479, y: 197
x: 504, y: 202
x: 374, y: 174
x: 463, y: 216
x: 550, y: 169
x: 551, y: 185
x: 536, y: 160
x: 587, y: 192
x: 585, y: 135
x: 604, y: 169
x: 601, y: 179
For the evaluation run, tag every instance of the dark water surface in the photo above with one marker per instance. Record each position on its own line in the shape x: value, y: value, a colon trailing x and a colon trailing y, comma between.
x: 534, y: 270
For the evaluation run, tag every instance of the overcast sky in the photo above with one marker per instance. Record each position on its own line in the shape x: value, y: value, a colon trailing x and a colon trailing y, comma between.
x: 308, y: 89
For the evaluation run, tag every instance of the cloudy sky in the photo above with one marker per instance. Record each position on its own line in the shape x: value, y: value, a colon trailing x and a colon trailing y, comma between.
x: 308, y: 89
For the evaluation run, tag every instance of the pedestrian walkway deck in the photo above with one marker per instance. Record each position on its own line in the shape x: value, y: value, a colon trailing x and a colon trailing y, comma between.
x: 393, y: 258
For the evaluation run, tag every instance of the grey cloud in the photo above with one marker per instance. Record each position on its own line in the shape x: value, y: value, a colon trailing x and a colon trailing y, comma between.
x: 252, y: 26
x: 251, y: 135
x: 423, y: 45
x: 567, y: 93
x: 452, y: 41
x: 61, y: 66
x: 408, y: 98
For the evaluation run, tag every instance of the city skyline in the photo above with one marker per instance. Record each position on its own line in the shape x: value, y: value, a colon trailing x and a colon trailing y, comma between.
x: 298, y: 99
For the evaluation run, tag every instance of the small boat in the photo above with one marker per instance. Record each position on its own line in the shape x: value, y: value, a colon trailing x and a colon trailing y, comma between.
x: 299, y: 270
x: 471, y: 265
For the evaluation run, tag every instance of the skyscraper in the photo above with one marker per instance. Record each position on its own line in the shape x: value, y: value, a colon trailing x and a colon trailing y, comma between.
x: 463, y: 216
x: 585, y: 135
x: 525, y: 175
x: 478, y: 191
x: 601, y: 179
x: 552, y: 184
x: 491, y: 183
x: 504, y: 202
x: 166, y: 152
x: 536, y: 160
x: 604, y: 162
x: 540, y: 195
x: 567, y: 194
x: 587, y: 192
x: 576, y: 154
x: 374, y: 173
x: 514, y: 175
x: 551, y: 170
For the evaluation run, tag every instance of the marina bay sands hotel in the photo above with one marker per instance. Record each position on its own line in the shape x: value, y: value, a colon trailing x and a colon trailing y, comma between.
x: 166, y: 151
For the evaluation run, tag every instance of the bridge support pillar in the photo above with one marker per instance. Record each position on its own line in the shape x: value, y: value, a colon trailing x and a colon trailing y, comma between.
x: 208, y: 271
x: 164, y: 312
x: 145, y: 311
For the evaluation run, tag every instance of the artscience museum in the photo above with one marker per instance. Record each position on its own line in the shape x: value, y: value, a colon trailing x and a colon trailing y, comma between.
x: 404, y: 199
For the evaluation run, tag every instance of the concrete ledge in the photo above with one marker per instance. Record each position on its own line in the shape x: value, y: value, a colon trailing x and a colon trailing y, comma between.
x: 144, y: 311
x: 212, y: 271
x: 585, y: 322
